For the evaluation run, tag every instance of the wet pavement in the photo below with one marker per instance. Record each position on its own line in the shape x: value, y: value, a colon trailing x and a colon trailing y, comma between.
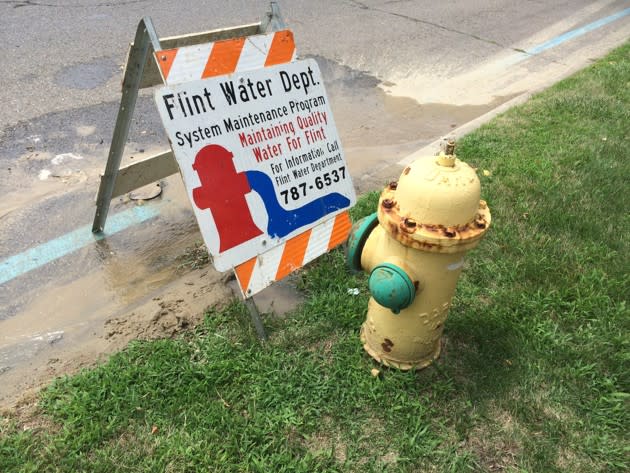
x: 52, y: 169
x: 438, y: 69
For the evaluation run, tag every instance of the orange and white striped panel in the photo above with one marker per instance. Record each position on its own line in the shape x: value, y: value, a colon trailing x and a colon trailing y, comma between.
x: 261, y: 271
x: 201, y: 61
x: 191, y: 63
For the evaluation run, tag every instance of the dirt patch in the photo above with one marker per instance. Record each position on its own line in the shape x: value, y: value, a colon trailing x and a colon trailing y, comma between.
x: 167, y: 322
x: 327, y: 440
x: 497, y: 443
x: 571, y: 460
x: 323, y: 348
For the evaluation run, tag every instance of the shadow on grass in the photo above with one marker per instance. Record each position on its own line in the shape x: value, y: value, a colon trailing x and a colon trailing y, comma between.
x: 533, y: 375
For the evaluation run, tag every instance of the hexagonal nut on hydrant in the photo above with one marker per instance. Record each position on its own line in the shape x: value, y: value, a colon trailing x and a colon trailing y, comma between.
x: 413, y: 246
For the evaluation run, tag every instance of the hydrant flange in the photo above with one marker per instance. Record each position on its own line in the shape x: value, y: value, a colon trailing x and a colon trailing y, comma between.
x: 435, y: 206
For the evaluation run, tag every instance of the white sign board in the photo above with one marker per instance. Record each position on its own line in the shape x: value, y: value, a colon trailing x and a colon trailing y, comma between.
x: 260, y: 156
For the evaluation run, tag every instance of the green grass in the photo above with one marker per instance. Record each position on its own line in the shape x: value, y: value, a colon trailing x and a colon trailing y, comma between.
x: 534, y: 374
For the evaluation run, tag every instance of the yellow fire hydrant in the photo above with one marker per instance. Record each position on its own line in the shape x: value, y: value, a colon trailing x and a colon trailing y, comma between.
x: 414, y: 248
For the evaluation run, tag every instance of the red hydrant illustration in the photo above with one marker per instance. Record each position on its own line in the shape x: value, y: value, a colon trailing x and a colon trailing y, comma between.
x: 223, y: 192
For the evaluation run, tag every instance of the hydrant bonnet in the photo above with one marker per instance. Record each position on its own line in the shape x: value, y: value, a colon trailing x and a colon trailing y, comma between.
x: 435, y: 206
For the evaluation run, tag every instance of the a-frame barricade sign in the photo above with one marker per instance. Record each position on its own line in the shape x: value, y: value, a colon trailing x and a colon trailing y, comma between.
x: 253, y: 136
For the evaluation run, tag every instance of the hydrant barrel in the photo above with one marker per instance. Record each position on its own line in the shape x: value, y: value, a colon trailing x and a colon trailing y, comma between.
x: 427, y: 220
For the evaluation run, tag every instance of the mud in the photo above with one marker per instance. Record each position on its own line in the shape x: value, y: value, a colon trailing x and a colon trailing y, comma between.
x: 78, y: 309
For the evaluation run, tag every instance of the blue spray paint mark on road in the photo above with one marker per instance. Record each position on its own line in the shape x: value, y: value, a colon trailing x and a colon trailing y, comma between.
x: 282, y: 221
x: 577, y: 32
x: 553, y: 42
x: 40, y: 255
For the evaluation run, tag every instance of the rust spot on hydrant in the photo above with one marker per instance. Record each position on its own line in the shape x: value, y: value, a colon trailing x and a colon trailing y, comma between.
x: 393, y: 185
x: 393, y: 228
x: 450, y: 147
x: 387, y: 203
x: 410, y: 223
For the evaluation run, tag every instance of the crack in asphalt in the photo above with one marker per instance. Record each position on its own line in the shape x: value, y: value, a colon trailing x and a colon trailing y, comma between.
x: 363, y: 6
x: 33, y: 3
x: 453, y: 30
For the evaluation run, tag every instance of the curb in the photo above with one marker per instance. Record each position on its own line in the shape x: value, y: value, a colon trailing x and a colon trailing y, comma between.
x: 432, y: 148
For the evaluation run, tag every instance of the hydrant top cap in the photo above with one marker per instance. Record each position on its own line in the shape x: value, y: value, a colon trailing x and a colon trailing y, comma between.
x: 435, y: 207
x: 439, y: 190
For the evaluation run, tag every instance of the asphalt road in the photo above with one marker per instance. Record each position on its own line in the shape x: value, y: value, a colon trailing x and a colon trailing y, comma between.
x: 399, y: 74
x: 62, y: 55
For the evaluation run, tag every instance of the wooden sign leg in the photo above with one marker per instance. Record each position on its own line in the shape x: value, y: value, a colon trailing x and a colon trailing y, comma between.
x: 272, y: 20
x: 146, y: 38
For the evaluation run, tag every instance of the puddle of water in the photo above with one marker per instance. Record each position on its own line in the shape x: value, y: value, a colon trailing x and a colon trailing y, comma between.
x: 27, y: 347
x: 78, y: 294
x: 99, y: 282
x: 62, y: 309
x: 377, y: 128
x: 87, y: 75
x: 133, y: 269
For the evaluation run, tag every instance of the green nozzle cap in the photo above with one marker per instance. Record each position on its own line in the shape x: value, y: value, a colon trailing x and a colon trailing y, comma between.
x: 358, y: 236
x: 391, y: 287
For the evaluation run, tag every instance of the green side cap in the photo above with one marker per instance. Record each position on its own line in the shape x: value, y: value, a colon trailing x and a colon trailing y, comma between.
x: 391, y: 287
x: 358, y: 236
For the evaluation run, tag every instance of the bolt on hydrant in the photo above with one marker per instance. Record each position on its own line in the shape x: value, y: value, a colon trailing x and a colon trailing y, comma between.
x: 414, y: 248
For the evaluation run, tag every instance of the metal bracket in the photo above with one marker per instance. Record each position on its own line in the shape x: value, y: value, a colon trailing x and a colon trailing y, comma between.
x: 256, y: 319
